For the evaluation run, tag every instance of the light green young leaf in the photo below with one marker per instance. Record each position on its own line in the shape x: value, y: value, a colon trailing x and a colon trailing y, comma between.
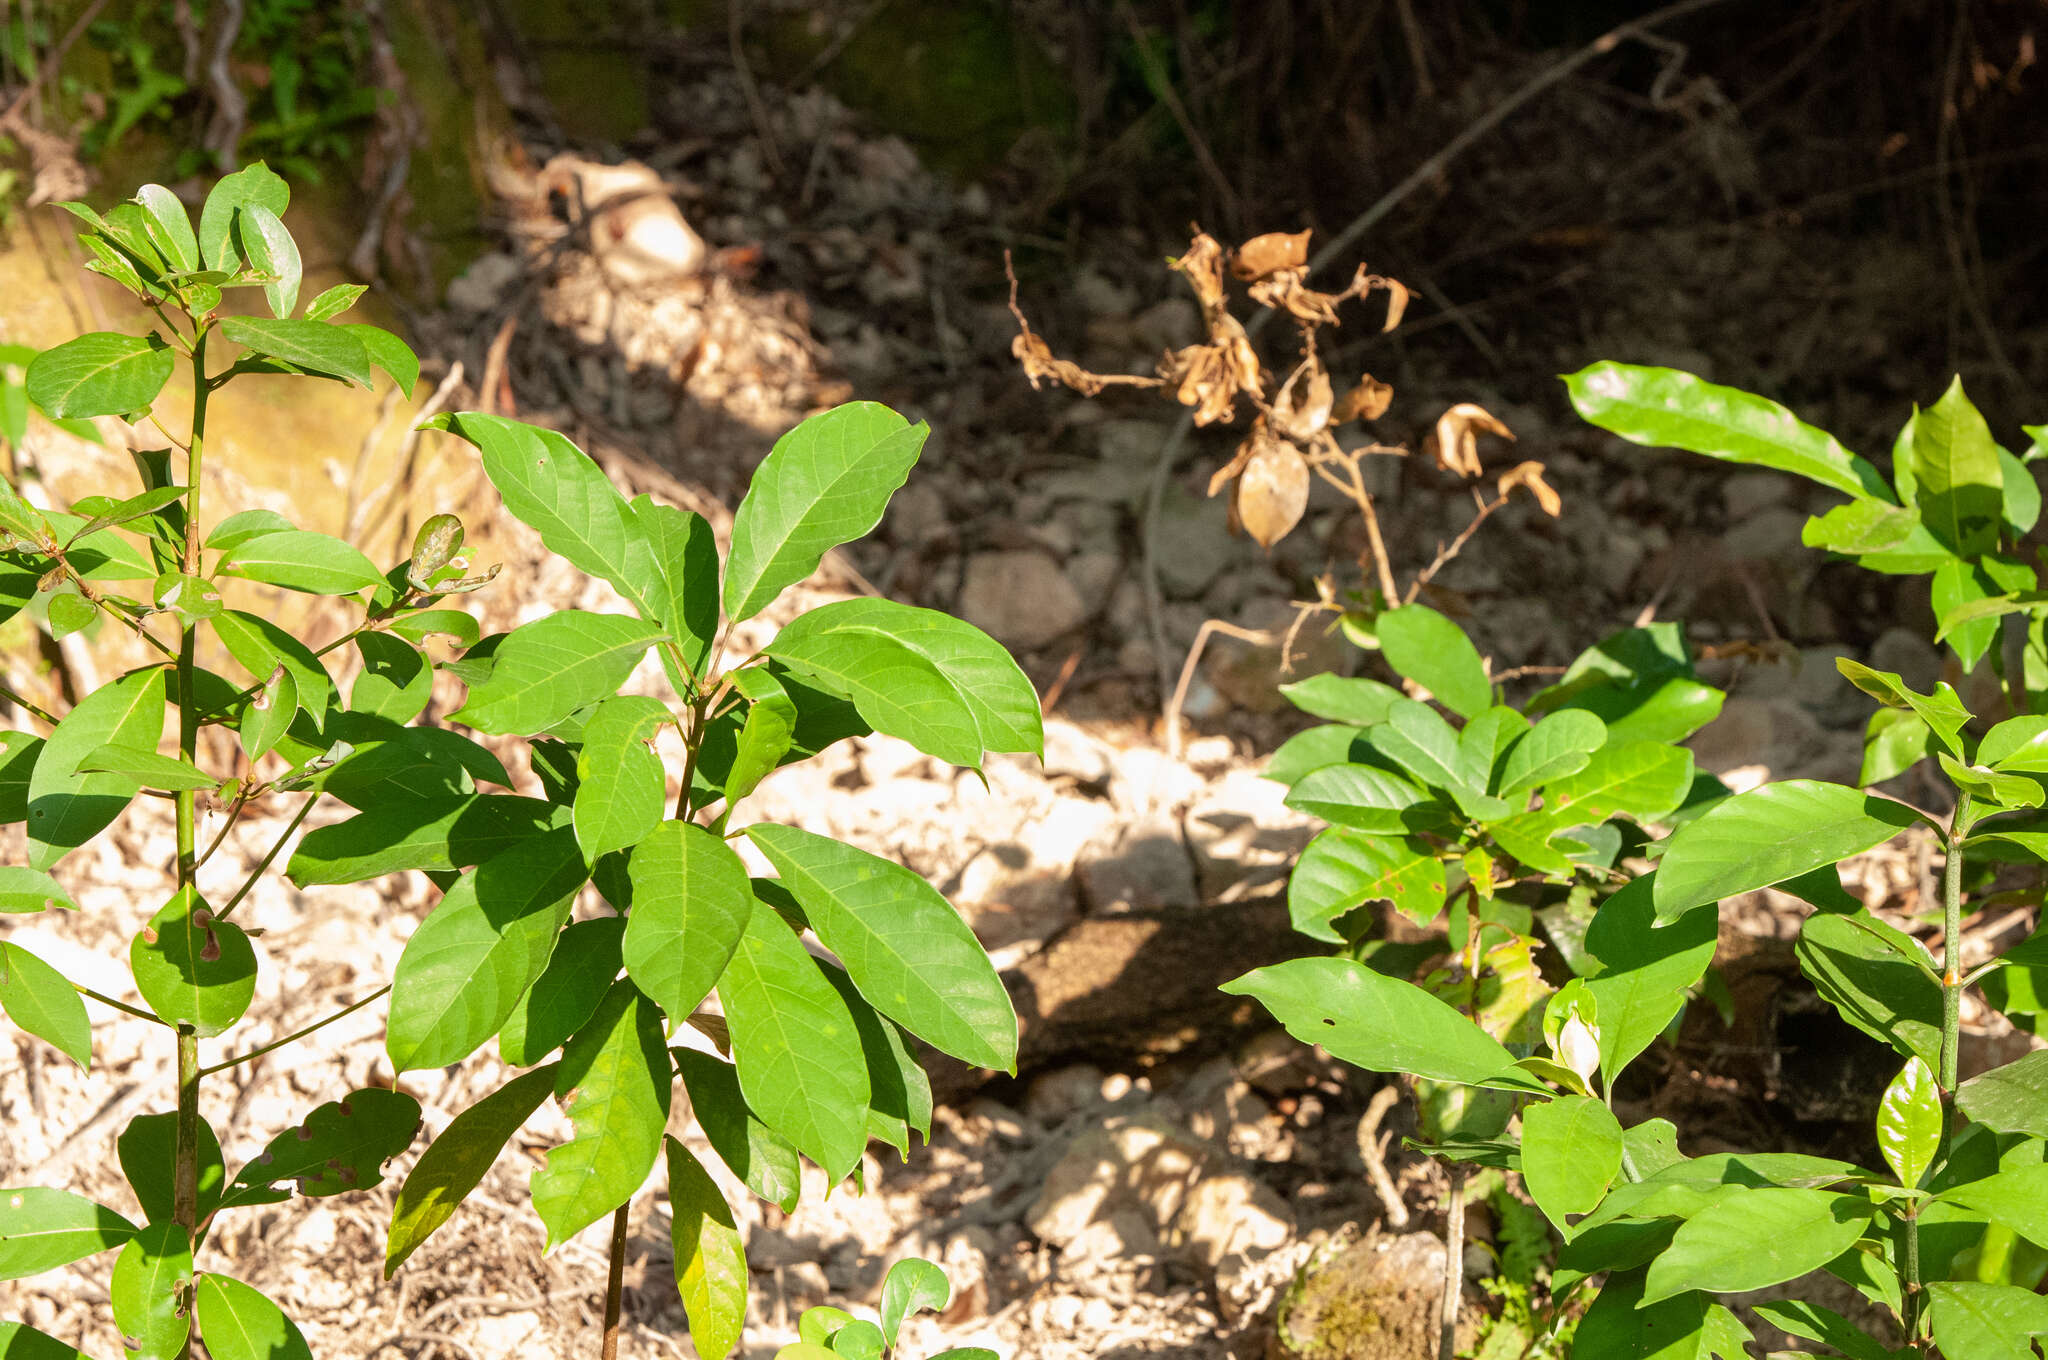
x: 1560, y: 744
x: 1329, y: 695
x: 146, y: 769
x: 765, y: 737
x: 148, y: 1291
x: 1960, y: 585
x: 1895, y: 741
x: 1863, y: 527
x: 455, y: 1163
x: 681, y: 571
x: 553, y: 487
x: 1768, y: 835
x: 823, y: 484
x: 39, y: 1001
x: 479, y: 949
x: 899, y: 1092
x: 547, y: 669
x: 582, y: 969
x: 334, y: 301
x: 763, y: 1159
x: 316, y: 346
x: 1342, y: 869
x: 387, y: 352
x: 29, y: 890
x: 994, y: 688
x: 42, y: 1229
x: 621, y: 787
x: 1424, y: 646
x: 169, y: 227
x: 1755, y: 1239
x: 691, y: 903
x: 908, y: 951
x: 912, y: 1285
x: 795, y: 1046
x: 1909, y: 1122
x: 1668, y: 408
x: 2016, y: 1197
x: 1365, y: 799
x: 1571, y: 1153
x: 1943, y: 710
x: 269, y: 248
x: 1645, y: 969
x: 192, y: 969
x: 710, y: 1257
x: 67, y: 809
x: 2010, y: 1099
x: 238, y: 1323
x: 255, y: 183
x: 302, y: 560
x: 1381, y: 1023
x: 614, y: 1080
x: 101, y: 374
x: 1958, y: 481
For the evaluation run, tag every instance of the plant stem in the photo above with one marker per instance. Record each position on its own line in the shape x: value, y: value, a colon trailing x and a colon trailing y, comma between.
x: 615, y: 1284
x: 185, y: 1180
x: 1909, y: 1304
x: 25, y: 706
x: 105, y: 1000
x: 1454, y: 1264
x: 293, y: 1037
x: 1952, y: 945
x: 263, y: 864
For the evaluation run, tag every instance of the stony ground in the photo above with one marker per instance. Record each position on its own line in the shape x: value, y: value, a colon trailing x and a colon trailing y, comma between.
x: 1164, y: 1164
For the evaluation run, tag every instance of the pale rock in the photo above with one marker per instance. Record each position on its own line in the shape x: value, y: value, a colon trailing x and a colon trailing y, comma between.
x: 1140, y: 1164
x: 1063, y: 1312
x: 773, y: 1249
x: 1098, y: 1315
x: 1095, y: 574
x: 484, y: 284
x: 1191, y: 544
x: 917, y: 513
x: 804, y: 1285
x: 1071, y: 752
x: 315, y: 1232
x: 1241, y: 827
x: 884, y: 759
x: 1771, y: 535
x: 1142, y: 867
x: 1230, y: 1213
x: 1119, y: 1238
x: 1020, y: 598
x: 1275, y: 1062
x: 1135, y: 658
x: 1203, y: 701
x: 1210, y: 755
x: 506, y: 1334
x: 1908, y: 655
x: 1106, y: 484
x: 637, y: 232
x: 1147, y: 779
x: 1064, y: 1091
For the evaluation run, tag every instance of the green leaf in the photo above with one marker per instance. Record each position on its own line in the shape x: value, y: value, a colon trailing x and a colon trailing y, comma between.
x: 1994, y: 790
x: 260, y: 647
x: 1365, y: 799
x: 437, y: 833
x: 581, y: 970
x: 765, y: 737
x: 1571, y: 1153
x: 1943, y: 710
x: 1861, y: 527
x: 148, y: 1291
x: 238, y: 1323
x: 252, y: 184
x: 1768, y: 835
x: 387, y: 352
x: 547, y: 669
x: 1380, y: 1023
x: 146, y: 769
x: 763, y: 1159
x: 795, y: 1045
x: 1986, y: 1321
x: 1641, y: 779
x: 1645, y: 969
x: 169, y: 227
x: 614, y: 1082
x: 1618, y: 1326
x: 450, y: 623
x: 2016, y: 1197
x: 912, y: 1285
x: 395, y: 683
x: 1755, y: 1239
x: 243, y: 525
x: 1815, y: 1323
x: 2010, y: 1099
x: 908, y: 951
x: 269, y: 248
x: 332, y: 302
x: 1559, y: 745
x: 1895, y: 741
x: 479, y: 949
x: 191, y: 969
x: 899, y: 1092
x: 1424, y: 646
x: 553, y: 487
x: 316, y: 346
x: 1958, y: 585
x: 823, y: 484
x: 18, y: 1341
x: 621, y: 788
x: 1958, y: 482
x: 456, y: 1162
x: 29, y: 890
x: 1342, y: 869
x: 42, y: 1229
x: 690, y: 907
x: 39, y: 1001
x: 127, y: 511
x: 302, y: 560
x: 981, y: 673
x: 1909, y: 1122
x: 1668, y: 408
x: 680, y: 571
x: 68, y: 614
x: 101, y: 374
x: 1357, y: 701
x: 895, y: 690
x: 148, y: 1152
x: 341, y: 1146
x: 1428, y: 748
x: 2022, y: 508
x: 1871, y: 983
x: 710, y: 1258
x: 19, y: 753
